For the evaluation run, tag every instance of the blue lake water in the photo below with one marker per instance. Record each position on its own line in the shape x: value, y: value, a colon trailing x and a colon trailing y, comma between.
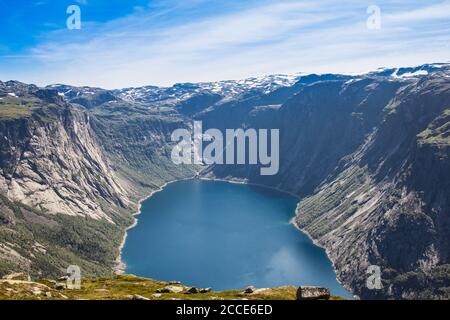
x: 225, y: 236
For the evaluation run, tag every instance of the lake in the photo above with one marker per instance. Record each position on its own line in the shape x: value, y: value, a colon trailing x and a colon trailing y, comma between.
x: 225, y: 236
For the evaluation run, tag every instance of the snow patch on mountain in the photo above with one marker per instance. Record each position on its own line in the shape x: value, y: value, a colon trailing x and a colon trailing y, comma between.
x: 228, y: 89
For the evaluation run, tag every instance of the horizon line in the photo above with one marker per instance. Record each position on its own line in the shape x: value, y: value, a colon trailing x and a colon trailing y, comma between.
x: 299, y: 74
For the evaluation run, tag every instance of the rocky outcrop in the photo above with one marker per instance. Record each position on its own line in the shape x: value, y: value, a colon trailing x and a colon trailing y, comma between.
x: 57, y: 166
x: 170, y: 289
x: 313, y: 293
x: 18, y: 276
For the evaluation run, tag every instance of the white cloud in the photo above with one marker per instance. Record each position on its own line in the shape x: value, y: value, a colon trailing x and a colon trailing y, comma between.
x: 430, y: 12
x: 282, y: 37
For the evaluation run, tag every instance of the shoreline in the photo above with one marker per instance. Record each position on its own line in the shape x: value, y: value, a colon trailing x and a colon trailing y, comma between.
x: 316, y: 243
x: 244, y: 182
x: 120, y: 266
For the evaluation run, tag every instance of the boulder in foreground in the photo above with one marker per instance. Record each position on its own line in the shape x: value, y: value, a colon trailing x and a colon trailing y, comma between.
x: 170, y: 289
x: 313, y: 293
x: 19, y: 276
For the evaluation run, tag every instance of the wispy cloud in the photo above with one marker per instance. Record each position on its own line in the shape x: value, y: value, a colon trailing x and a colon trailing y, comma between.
x: 168, y: 44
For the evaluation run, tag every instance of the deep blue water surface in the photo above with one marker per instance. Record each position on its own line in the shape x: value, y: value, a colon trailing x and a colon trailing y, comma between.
x: 224, y: 236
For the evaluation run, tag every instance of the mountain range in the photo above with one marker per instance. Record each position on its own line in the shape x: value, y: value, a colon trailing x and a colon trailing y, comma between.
x: 367, y: 154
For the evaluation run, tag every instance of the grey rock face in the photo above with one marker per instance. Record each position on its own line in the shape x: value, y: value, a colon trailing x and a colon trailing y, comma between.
x: 312, y: 293
x: 58, y: 166
x: 170, y: 289
x: 192, y: 290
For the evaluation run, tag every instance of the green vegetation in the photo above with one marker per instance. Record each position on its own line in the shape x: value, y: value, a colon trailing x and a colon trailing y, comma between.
x: 353, y: 181
x: 137, y: 141
x: 45, y: 244
x: 13, y: 107
x: 12, y: 111
x: 431, y: 285
x: 438, y: 133
x: 124, y: 287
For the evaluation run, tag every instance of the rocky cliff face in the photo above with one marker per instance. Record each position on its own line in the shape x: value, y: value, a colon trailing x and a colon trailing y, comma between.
x: 57, y: 165
x: 385, y: 204
x: 368, y: 155
x: 71, y: 178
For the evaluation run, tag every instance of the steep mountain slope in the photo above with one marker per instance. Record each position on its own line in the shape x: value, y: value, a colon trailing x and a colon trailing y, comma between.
x: 387, y: 206
x: 63, y: 200
x: 138, y: 142
x: 370, y: 156
x: 44, y: 163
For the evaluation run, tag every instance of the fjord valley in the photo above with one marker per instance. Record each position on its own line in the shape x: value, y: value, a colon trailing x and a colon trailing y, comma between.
x: 367, y: 155
x: 225, y: 236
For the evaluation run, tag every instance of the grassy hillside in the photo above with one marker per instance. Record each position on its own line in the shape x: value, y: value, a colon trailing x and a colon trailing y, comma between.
x: 45, y: 245
x: 126, y: 287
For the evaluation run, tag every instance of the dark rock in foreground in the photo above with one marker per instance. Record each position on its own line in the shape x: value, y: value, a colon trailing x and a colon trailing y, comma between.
x: 313, y: 293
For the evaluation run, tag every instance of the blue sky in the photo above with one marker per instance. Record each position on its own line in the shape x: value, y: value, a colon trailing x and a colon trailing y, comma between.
x: 124, y: 43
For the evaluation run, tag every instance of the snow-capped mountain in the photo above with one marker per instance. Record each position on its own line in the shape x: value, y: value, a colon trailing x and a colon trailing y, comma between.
x: 228, y: 89
x: 220, y: 92
x: 411, y: 72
